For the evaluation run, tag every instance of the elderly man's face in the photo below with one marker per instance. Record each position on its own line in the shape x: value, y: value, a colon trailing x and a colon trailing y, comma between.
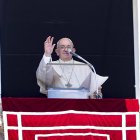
x: 62, y: 50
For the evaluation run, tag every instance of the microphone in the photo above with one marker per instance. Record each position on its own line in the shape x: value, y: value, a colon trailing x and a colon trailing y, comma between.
x: 73, y: 53
x: 90, y: 65
x: 81, y: 58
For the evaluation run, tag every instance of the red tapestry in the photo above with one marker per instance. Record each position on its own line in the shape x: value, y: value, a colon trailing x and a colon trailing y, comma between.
x: 71, y: 124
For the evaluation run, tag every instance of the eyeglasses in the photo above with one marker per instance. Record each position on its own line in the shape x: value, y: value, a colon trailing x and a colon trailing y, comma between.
x: 65, y: 47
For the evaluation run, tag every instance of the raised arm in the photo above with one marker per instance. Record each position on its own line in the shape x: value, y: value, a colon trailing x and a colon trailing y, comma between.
x: 44, y: 71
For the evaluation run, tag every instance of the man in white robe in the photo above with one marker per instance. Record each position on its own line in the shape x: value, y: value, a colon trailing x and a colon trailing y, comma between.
x: 65, y: 72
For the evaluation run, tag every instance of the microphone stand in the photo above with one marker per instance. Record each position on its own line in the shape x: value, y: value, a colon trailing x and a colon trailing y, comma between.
x: 92, y: 68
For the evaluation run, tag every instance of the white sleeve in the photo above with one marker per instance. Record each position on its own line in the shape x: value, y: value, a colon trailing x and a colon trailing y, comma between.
x: 44, y: 74
x: 47, y: 59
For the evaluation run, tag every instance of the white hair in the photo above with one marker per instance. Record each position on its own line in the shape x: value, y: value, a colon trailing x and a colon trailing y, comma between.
x: 58, y: 42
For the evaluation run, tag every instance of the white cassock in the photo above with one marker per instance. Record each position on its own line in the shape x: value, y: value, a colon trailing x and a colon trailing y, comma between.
x: 69, y: 74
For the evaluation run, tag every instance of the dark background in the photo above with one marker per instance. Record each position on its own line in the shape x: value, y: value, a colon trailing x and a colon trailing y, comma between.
x: 102, y: 32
